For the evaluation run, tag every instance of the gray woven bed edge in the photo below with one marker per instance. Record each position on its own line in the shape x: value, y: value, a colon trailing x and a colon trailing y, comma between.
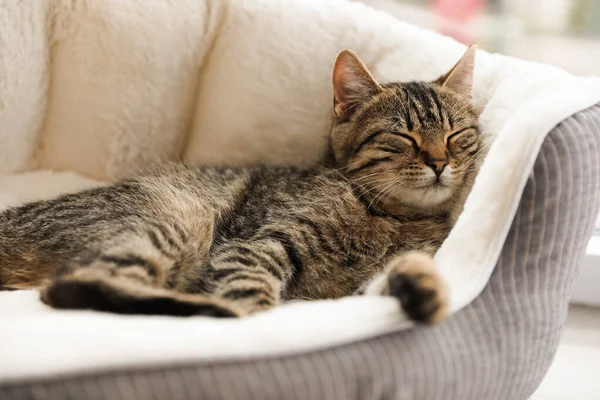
x: 499, y: 347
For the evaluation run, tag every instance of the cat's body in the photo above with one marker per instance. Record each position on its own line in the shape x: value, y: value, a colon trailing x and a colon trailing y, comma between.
x: 315, y: 231
x: 230, y: 241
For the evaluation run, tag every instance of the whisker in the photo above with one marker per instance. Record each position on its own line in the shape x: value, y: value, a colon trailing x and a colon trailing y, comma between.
x: 374, y: 188
x: 383, y: 191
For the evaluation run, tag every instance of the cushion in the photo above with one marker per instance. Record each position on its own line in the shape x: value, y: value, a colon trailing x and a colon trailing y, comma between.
x: 498, y: 347
x: 239, y: 82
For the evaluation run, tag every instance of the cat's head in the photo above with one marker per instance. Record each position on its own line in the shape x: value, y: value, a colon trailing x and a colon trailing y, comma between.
x: 408, y: 143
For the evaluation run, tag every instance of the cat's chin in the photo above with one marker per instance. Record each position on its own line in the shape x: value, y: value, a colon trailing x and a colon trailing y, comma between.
x: 425, y: 198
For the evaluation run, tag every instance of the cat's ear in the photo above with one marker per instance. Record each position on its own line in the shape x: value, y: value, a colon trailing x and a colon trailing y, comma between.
x: 460, y: 77
x: 353, y: 84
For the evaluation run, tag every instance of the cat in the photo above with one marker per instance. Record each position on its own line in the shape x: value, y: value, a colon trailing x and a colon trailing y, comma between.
x: 231, y: 241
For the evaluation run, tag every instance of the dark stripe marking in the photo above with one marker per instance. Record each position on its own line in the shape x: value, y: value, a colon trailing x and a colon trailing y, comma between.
x: 154, y: 239
x: 307, y: 240
x: 290, y: 249
x: 425, y: 101
x: 130, y: 261
x: 370, y: 164
x: 218, y: 274
x: 158, y: 244
x: 450, y: 120
x: 173, y: 274
x: 389, y: 149
x: 165, y: 234
x: 238, y: 259
x: 438, y: 105
x: 416, y: 100
x: 246, y: 277
x: 267, y: 261
x: 182, y: 234
x: 413, y: 141
x: 237, y: 294
x: 474, y: 152
x: 409, y: 122
x: 317, y: 232
x: 458, y: 132
x: 366, y: 141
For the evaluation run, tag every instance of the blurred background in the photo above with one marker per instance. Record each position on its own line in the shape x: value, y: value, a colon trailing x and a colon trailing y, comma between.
x: 565, y: 33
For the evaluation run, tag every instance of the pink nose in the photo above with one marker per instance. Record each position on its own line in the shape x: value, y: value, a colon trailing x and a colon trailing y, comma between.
x: 437, y: 166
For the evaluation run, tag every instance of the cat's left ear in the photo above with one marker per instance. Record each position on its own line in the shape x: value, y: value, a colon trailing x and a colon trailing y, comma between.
x: 460, y: 77
x: 353, y: 84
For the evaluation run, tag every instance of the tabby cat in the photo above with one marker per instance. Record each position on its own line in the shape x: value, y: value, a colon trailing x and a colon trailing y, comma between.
x: 229, y: 241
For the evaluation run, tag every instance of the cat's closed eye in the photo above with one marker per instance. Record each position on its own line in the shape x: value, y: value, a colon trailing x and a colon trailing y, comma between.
x: 410, y: 139
x: 463, y: 139
x: 461, y: 132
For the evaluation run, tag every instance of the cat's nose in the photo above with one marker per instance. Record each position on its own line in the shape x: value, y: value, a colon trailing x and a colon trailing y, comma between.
x: 437, y: 166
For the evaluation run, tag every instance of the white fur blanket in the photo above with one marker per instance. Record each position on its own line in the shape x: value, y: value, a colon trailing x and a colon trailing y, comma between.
x: 103, y: 87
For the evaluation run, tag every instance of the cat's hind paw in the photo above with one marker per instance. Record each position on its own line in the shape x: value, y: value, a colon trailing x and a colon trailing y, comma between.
x: 92, y: 290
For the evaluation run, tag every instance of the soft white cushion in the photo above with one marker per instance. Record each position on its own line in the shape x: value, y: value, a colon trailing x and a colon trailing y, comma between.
x: 234, y: 81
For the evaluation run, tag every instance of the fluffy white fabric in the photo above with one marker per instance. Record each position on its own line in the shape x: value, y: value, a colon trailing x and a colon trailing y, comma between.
x: 103, y: 87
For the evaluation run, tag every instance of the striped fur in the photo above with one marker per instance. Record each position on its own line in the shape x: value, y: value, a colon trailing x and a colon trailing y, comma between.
x: 224, y: 241
x: 499, y: 347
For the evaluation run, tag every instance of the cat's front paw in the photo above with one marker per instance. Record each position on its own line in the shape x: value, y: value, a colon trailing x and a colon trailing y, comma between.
x: 415, y: 281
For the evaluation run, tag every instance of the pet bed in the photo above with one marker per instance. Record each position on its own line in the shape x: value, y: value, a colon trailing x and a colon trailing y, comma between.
x: 96, y: 89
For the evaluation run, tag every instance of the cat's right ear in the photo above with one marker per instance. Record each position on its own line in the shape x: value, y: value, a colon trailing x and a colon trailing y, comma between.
x: 460, y: 77
x: 353, y: 84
